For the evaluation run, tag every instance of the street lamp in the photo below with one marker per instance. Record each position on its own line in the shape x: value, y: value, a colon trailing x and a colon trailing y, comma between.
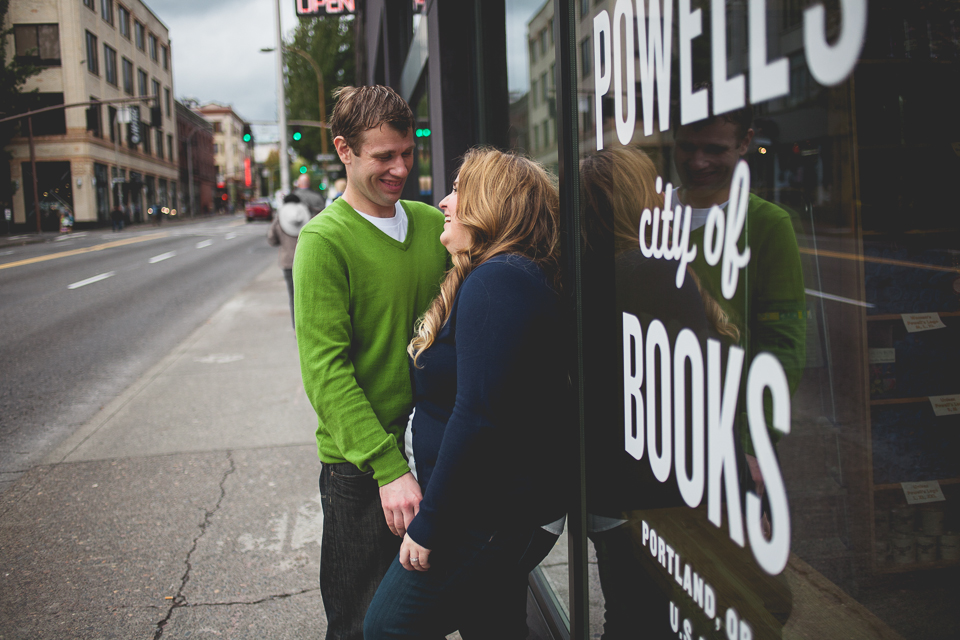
x: 323, y: 105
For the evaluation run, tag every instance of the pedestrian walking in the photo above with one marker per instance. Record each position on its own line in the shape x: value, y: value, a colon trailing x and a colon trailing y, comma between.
x: 283, y: 232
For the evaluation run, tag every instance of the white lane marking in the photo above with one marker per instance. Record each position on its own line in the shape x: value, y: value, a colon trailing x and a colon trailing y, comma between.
x: 6, y: 253
x: 230, y: 236
x: 830, y: 296
x: 204, y: 243
x: 162, y: 257
x: 83, y: 283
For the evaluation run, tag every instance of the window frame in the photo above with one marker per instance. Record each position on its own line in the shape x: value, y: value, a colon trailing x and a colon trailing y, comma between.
x: 127, y: 63
x: 139, y: 35
x: 106, y: 11
x: 165, y: 56
x: 110, y: 64
x: 123, y: 19
x: 153, y: 44
x: 37, y: 59
x: 143, y: 84
x: 93, y: 61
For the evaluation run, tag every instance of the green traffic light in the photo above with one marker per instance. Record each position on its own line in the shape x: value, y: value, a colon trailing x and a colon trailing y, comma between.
x: 419, y: 133
x: 303, y: 169
x: 323, y: 186
x: 426, y: 133
x: 297, y: 135
x: 246, y: 137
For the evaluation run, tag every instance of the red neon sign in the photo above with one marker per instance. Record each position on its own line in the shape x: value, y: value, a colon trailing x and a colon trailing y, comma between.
x: 312, y: 8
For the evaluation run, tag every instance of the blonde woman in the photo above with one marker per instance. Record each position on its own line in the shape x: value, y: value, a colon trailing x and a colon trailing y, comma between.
x: 489, y: 383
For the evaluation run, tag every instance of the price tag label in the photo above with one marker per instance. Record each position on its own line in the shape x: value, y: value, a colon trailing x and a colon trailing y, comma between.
x: 946, y: 405
x: 882, y: 356
x: 922, y: 321
x: 921, y: 492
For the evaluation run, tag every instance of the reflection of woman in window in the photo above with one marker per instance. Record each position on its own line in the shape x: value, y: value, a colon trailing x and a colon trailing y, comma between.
x: 489, y: 383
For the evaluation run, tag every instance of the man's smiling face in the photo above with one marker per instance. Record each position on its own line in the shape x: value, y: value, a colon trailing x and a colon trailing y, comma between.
x: 378, y: 170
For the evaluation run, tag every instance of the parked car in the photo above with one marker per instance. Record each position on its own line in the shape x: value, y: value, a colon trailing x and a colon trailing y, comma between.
x: 259, y: 210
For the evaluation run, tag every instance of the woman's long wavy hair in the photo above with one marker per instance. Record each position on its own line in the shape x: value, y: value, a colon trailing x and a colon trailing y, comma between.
x: 508, y: 204
x: 619, y: 183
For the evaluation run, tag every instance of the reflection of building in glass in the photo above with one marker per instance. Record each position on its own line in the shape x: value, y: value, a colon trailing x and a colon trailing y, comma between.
x: 541, y: 143
x: 89, y: 52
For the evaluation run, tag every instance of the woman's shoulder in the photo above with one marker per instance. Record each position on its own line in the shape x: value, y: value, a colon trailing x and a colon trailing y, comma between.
x: 508, y: 276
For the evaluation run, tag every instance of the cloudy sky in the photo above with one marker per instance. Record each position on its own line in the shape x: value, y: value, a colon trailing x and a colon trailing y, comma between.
x: 216, y: 52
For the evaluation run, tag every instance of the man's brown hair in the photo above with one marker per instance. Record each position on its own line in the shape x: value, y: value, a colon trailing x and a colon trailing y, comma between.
x: 362, y: 108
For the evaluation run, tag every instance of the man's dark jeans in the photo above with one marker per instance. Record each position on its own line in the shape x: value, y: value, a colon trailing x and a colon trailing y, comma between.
x: 356, y: 550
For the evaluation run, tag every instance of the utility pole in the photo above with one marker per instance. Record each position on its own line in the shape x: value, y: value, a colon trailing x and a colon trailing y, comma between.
x: 282, y: 112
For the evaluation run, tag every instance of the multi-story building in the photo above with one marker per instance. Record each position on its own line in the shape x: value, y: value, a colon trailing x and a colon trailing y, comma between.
x: 233, y: 156
x: 198, y: 175
x: 89, y: 159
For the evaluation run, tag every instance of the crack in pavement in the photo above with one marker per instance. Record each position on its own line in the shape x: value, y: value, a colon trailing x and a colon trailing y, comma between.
x: 278, y: 596
x: 180, y: 600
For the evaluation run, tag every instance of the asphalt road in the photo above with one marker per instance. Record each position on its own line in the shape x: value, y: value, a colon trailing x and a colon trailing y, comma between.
x: 82, y: 317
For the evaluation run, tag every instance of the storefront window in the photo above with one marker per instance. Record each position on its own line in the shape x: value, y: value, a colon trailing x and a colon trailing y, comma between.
x: 770, y: 315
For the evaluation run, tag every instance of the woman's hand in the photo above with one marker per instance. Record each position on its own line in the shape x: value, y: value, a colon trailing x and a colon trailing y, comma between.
x: 413, y: 557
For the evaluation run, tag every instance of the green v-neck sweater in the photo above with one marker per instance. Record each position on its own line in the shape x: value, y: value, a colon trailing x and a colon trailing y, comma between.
x: 357, y: 294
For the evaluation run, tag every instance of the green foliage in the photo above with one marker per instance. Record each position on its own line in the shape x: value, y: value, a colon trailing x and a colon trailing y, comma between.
x: 13, y: 75
x: 330, y: 42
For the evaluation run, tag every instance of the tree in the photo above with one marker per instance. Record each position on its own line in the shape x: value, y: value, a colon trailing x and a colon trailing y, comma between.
x: 13, y: 100
x: 329, y: 40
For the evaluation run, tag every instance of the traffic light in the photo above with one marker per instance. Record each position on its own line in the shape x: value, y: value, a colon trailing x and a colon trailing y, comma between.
x: 247, y: 133
x: 297, y: 134
x: 423, y: 133
x: 303, y: 168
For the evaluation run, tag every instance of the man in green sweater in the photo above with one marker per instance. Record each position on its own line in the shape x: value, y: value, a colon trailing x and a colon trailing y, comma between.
x: 365, y: 269
x: 768, y: 306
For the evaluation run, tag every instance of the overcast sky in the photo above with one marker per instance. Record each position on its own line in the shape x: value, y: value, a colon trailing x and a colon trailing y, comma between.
x: 216, y: 51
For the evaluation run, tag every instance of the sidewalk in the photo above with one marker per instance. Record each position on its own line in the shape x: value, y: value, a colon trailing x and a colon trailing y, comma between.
x: 188, y: 507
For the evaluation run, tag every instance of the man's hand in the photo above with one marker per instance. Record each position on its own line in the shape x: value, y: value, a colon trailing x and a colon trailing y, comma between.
x: 401, y: 501
x: 413, y: 557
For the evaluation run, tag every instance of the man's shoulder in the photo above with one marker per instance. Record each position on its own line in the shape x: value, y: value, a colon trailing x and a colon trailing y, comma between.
x: 764, y: 210
x: 331, y: 220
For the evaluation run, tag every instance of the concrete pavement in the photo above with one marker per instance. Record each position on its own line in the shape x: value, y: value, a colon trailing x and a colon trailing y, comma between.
x: 187, y: 508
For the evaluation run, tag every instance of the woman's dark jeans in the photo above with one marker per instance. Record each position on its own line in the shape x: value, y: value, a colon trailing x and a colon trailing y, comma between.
x: 477, y: 584
x: 356, y: 548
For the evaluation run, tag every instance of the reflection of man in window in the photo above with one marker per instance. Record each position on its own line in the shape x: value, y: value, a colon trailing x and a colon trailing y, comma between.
x: 768, y: 306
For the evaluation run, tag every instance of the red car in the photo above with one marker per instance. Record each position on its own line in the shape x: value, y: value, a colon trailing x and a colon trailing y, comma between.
x: 259, y: 210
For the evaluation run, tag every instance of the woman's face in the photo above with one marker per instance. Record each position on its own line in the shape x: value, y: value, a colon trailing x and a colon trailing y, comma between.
x: 455, y: 236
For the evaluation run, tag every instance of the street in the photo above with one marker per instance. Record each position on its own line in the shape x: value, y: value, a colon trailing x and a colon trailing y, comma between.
x: 82, y: 317
x: 185, y: 504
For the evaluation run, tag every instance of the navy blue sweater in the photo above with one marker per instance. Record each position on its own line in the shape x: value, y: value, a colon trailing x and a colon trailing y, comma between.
x: 487, y: 434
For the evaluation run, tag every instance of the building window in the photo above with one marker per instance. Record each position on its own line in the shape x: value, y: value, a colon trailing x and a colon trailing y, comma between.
x: 533, y: 51
x: 139, y: 34
x: 124, y: 18
x: 544, y: 88
x: 170, y: 146
x: 216, y: 127
x: 38, y: 44
x: 586, y: 57
x: 95, y: 118
x: 89, y: 5
x: 145, y: 130
x: 112, y: 121
x: 93, y: 65
x: 584, y: 8
x: 127, y: 76
x: 159, y: 135
x: 156, y: 90
x: 153, y: 47
x: 106, y: 10
x: 533, y: 92
x: 166, y: 99
x: 536, y: 137
x: 216, y: 148
x: 110, y: 64
x: 165, y: 57
x: 142, y: 82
